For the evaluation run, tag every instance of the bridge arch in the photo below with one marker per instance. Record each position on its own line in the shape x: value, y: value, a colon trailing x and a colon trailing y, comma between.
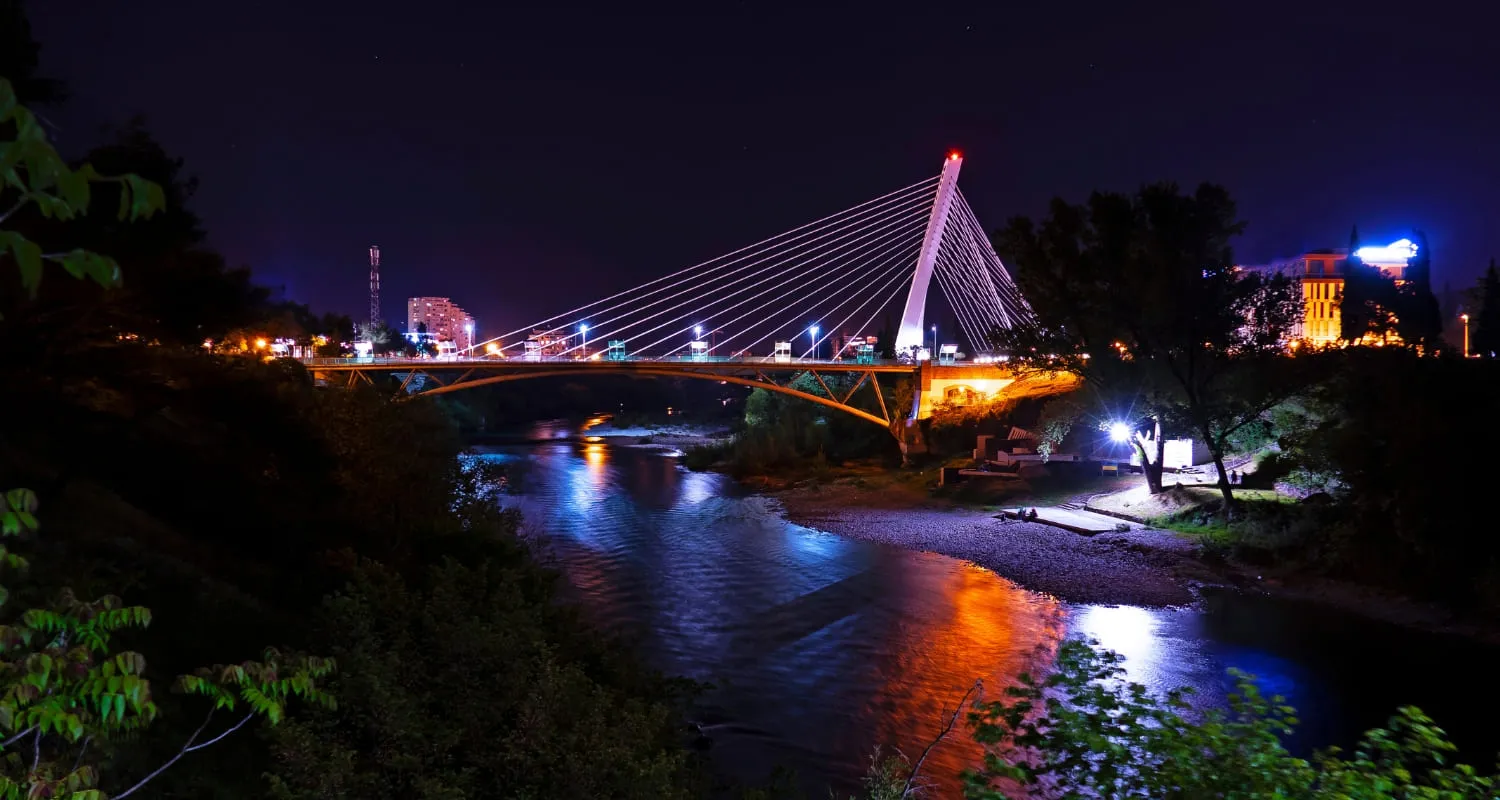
x: 664, y: 372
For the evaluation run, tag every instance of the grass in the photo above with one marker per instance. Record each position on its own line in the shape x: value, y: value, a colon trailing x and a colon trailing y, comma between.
x: 1263, y: 522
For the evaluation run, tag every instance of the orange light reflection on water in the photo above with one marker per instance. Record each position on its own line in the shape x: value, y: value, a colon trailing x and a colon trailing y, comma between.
x: 993, y: 631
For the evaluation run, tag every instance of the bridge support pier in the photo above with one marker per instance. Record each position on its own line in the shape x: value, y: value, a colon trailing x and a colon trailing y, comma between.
x: 910, y: 437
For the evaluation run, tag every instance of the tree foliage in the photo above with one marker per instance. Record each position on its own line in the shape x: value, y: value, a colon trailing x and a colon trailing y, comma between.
x: 1374, y: 308
x: 64, y: 685
x: 1139, y: 294
x: 34, y: 176
x: 473, y: 682
x: 1484, y: 324
x: 1083, y: 731
x: 19, y: 55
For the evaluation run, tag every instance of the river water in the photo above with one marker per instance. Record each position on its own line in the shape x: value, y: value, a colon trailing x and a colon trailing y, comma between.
x: 821, y: 648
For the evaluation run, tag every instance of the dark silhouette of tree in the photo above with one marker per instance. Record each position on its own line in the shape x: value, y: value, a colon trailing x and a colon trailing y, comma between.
x: 1417, y: 319
x: 1139, y: 295
x: 19, y: 56
x: 1374, y: 307
x: 178, y: 291
x: 1366, y: 301
x: 1484, y: 324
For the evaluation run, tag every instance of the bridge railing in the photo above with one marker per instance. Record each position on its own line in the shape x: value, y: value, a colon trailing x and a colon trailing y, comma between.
x: 375, y: 361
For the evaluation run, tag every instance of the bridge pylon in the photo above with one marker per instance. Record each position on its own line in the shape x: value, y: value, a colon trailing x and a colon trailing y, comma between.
x: 912, y: 333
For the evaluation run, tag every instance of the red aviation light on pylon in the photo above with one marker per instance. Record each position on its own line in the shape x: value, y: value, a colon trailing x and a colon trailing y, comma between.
x: 953, y: 155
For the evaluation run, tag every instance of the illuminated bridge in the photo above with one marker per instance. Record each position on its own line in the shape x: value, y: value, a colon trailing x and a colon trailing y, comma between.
x: 800, y: 303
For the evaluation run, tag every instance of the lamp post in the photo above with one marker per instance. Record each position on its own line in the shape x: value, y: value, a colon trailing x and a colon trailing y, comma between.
x: 469, y: 335
x: 697, y: 332
x: 1465, y: 318
x: 934, y: 341
x: 583, y: 330
x: 812, y: 334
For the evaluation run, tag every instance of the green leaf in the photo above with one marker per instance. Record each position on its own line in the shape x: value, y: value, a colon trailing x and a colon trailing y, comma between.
x: 29, y: 258
x: 73, y: 186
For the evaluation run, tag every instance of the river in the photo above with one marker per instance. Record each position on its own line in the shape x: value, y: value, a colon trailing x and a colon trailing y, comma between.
x: 821, y: 648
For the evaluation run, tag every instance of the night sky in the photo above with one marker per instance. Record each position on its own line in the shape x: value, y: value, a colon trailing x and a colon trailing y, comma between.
x: 524, y: 158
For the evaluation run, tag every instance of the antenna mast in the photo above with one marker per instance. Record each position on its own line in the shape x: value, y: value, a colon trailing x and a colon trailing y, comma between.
x: 374, y: 285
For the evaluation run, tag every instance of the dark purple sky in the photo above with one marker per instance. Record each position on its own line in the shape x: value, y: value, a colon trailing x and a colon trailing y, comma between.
x: 524, y: 158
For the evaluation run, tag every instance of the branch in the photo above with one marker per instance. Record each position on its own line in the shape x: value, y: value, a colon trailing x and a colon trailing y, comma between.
x: 18, y: 737
x: 187, y: 747
x: 81, y: 751
x: 36, y: 752
x: 232, y: 729
x: 952, y: 720
x: 17, y: 207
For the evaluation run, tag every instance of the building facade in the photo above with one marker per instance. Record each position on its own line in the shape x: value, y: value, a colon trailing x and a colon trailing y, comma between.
x: 1321, y: 275
x: 443, y: 320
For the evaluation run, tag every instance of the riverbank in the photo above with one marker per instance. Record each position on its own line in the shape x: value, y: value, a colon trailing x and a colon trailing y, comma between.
x: 1146, y: 567
x: 1293, y: 580
x: 667, y: 436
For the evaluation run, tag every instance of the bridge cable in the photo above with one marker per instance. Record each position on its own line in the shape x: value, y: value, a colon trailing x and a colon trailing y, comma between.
x: 904, y: 206
x: 825, y: 277
x: 814, y: 225
x: 880, y: 231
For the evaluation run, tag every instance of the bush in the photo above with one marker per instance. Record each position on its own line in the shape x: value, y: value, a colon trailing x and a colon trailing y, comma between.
x: 468, y: 679
x: 1086, y: 732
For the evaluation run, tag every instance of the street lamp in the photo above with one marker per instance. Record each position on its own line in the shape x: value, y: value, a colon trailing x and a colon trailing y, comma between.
x: 1465, y: 318
x: 697, y: 331
x: 812, y: 334
x: 583, y: 330
x: 1119, y: 432
x: 469, y: 335
x: 934, y: 340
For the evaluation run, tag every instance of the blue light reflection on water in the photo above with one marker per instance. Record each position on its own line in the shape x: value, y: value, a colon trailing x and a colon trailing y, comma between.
x: 822, y: 647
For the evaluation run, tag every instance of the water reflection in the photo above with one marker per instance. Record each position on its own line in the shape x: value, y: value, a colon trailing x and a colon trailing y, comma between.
x: 821, y: 648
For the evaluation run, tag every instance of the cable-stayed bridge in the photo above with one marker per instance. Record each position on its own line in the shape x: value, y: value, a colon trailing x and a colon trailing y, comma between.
x: 802, y: 302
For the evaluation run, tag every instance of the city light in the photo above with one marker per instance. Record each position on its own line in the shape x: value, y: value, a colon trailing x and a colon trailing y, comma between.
x: 493, y: 348
x: 1393, y: 254
x: 1119, y: 432
x: 697, y: 331
x: 260, y: 344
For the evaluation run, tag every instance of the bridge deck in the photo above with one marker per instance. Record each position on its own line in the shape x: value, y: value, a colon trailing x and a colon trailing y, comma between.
x: 752, y: 364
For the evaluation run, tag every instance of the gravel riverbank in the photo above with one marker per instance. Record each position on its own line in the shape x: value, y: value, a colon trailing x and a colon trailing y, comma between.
x: 1141, y: 567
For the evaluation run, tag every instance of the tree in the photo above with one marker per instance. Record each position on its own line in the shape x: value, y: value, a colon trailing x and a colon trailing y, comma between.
x: 475, y: 683
x: 1138, y: 294
x: 63, y: 686
x: 1373, y: 307
x: 1086, y: 732
x: 34, y: 176
x: 1484, y: 324
x: 19, y: 55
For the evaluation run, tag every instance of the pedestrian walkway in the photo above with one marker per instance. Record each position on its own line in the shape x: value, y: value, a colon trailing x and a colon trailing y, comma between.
x: 1071, y: 517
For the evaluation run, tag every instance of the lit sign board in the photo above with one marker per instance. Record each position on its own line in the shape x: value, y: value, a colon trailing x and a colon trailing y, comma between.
x: 1396, y: 253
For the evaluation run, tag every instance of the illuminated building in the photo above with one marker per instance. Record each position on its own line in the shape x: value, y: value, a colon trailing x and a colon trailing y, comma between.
x: 1321, y: 276
x: 444, y: 321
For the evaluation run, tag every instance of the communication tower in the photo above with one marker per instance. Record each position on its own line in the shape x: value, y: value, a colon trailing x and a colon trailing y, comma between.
x: 374, y: 285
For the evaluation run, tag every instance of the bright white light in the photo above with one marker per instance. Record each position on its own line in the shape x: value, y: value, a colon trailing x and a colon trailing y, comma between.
x: 1119, y: 431
x: 697, y: 330
x: 583, y: 328
x: 814, y: 331
x: 1396, y: 253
